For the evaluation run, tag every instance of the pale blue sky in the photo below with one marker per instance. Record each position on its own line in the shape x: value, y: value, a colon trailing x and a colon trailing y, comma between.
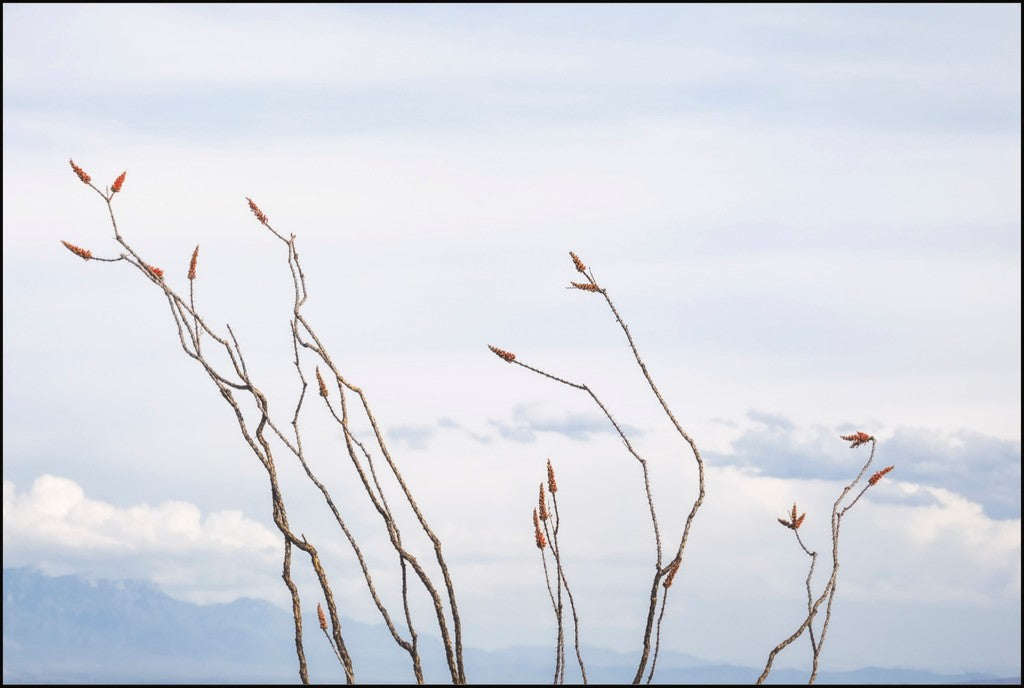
x: 809, y: 215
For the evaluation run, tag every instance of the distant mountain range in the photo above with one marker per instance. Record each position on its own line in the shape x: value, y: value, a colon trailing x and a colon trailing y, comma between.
x: 72, y: 630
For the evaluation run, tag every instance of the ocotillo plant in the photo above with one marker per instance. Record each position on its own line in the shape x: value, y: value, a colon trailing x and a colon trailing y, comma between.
x: 221, y: 358
x: 546, y: 522
x: 829, y: 591
x: 664, y: 572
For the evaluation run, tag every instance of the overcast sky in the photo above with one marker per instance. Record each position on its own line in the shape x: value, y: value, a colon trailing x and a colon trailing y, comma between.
x: 808, y: 215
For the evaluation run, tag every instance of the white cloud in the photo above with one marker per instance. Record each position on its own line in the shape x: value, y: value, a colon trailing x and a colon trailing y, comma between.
x: 217, y: 557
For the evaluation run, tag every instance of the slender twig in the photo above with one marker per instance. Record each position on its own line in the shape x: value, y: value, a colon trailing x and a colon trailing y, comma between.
x: 660, y: 570
x: 258, y: 432
x: 829, y: 591
x: 556, y: 549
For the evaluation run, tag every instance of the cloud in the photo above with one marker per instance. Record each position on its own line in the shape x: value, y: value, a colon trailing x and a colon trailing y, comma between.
x: 413, y: 436
x: 530, y: 419
x: 981, y: 468
x: 214, y: 558
x: 772, y: 421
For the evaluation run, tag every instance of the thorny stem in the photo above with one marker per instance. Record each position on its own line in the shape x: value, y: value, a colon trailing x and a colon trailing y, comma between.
x: 557, y: 607
x: 829, y: 590
x: 454, y: 657
x: 657, y: 636
x: 286, y: 574
x: 660, y: 571
x: 625, y: 441
x: 190, y: 327
x: 556, y: 548
x: 700, y: 474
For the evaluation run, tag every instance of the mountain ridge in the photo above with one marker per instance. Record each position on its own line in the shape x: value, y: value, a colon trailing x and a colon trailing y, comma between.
x: 69, y: 629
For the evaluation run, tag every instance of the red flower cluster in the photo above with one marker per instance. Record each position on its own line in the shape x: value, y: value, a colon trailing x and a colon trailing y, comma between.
x: 501, y: 353
x: 260, y: 215
x: 671, y: 575
x: 116, y: 186
x: 80, y: 172
x: 82, y: 253
x: 538, y: 534
x: 157, y: 272
x: 578, y: 263
x: 320, y: 381
x: 192, y: 264
x: 856, y: 439
x: 320, y: 615
x: 552, y: 485
x: 586, y: 286
x: 879, y: 475
x: 794, y: 522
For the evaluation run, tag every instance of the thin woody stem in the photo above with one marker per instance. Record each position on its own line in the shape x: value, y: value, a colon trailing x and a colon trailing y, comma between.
x: 829, y: 591
x: 191, y: 328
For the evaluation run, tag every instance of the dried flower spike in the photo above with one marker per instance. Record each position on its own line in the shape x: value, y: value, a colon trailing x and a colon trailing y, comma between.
x: 671, y: 575
x: 192, y: 264
x: 586, y: 286
x: 116, y: 186
x: 552, y: 485
x: 542, y: 504
x: 320, y: 381
x: 320, y: 615
x: 82, y: 174
x: 501, y: 353
x: 538, y: 534
x: 879, y: 475
x: 856, y: 439
x: 260, y: 215
x: 82, y: 253
x: 580, y: 267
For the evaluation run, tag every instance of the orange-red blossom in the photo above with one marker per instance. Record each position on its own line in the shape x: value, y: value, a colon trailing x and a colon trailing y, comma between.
x: 856, y: 439
x: 82, y: 174
x: 879, y: 475
x: 84, y: 254
x: 501, y: 353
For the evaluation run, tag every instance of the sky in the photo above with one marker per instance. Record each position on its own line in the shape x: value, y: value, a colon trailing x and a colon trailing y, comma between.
x: 809, y: 217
